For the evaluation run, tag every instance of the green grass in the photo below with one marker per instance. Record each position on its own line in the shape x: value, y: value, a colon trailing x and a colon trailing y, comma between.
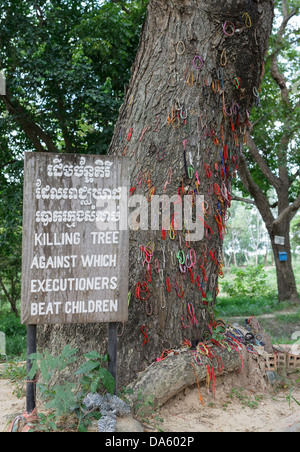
x: 264, y: 304
x: 237, y: 307
x: 293, y: 318
x: 281, y: 325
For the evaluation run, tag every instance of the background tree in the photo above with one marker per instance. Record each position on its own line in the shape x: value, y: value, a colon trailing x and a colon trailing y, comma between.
x: 247, y: 237
x: 66, y: 64
x: 272, y: 158
x: 186, y: 111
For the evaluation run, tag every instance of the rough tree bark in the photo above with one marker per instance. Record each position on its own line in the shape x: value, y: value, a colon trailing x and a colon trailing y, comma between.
x: 186, y: 110
x: 170, y: 377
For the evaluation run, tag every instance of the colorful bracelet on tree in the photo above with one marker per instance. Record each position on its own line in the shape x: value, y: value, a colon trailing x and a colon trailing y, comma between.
x: 143, y: 133
x: 192, y: 260
x: 248, y: 21
x: 192, y: 275
x: 191, y: 311
x: 237, y: 82
x: 227, y: 25
x: 179, y: 291
x: 204, y: 273
x: 207, y: 171
x: 183, y: 326
x: 223, y: 62
x: 168, y: 284
x: 208, y: 230
x: 149, y: 308
x: 190, y: 80
x: 197, y: 57
x: 144, y: 331
x: 181, y: 257
x: 139, y: 291
x: 149, y: 273
x: 182, y: 45
x: 158, y: 121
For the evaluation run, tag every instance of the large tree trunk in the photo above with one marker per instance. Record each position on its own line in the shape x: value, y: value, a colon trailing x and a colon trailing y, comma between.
x: 184, y: 108
x: 286, y: 282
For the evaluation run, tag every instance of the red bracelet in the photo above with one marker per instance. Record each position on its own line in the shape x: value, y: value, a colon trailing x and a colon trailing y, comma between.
x: 132, y: 190
x: 217, y: 189
x: 181, y: 291
x: 168, y: 284
x: 192, y: 275
x: 208, y: 230
x: 207, y: 171
x: 229, y: 24
x: 183, y: 326
x: 129, y: 134
x: 204, y: 273
x: 232, y: 125
x: 238, y: 82
x: 198, y: 282
x: 138, y: 291
x: 146, y: 341
x: 192, y: 314
x: 225, y: 152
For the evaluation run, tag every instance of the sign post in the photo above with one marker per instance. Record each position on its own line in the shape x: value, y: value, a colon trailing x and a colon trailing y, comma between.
x: 113, y: 351
x: 30, y: 385
x: 75, y: 244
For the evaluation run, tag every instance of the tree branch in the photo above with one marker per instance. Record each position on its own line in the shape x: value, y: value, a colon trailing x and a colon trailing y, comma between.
x: 280, y: 79
x: 281, y: 48
x: 276, y: 74
x: 288, y: 211
x: 32, y: 130
x: 11, y: 301
x: 262, y: 163
x: 11, y: 162
x: 245, y: 200
x: 261, y: 200
x: 63, y: 123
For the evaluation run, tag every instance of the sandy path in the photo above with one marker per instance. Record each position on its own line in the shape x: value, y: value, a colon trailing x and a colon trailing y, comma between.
x: 10, y: 405
x: 185, y: 413
x: 224, y: 414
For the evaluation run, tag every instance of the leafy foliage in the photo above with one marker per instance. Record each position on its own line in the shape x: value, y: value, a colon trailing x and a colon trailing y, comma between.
x: 66, y: 63
x: 63, y: 398
x: 15, y: 334
x: 95, y: 375
x: 273, y: 119
x: 295, y: 229
x: 249, y: 282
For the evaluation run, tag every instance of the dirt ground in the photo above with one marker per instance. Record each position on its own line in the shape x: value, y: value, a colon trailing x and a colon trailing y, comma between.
x: 233, y: 410
x: 10, y: 405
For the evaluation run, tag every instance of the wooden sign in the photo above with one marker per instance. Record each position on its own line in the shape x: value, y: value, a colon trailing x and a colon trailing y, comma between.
x: 75, y: 257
